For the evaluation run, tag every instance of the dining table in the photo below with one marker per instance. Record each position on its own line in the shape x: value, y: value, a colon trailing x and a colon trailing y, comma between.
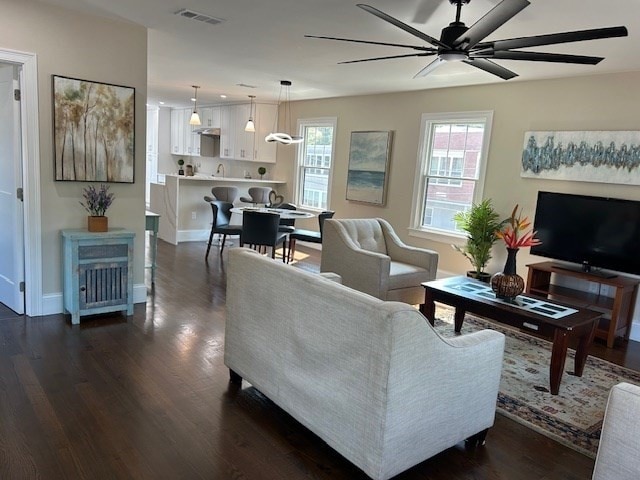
x: 285, y: 214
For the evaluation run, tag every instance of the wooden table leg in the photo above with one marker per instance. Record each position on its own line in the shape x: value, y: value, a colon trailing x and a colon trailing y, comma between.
x: 458, y: 318
x: 582, y: 350
x: 558, y: 358
x: 428, y: 308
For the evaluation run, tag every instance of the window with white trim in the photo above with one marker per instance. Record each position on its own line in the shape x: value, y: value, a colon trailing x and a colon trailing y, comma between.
x: 315, y: 159
x: 450, y: 171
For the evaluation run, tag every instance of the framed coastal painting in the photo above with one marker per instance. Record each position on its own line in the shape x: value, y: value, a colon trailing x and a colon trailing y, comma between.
x: 94, y: 125
x: 369, y: 155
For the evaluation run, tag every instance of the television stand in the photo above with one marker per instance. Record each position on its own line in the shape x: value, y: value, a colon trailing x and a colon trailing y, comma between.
x: 617, y: 311
x: 590, y: 271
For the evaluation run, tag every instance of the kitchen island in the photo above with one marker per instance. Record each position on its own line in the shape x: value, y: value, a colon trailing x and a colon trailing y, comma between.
x: 186, y: 217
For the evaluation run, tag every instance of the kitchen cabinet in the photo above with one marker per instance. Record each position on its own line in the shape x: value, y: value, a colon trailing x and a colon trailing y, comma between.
x: 178, y: 131
x: 183, y: 139
x: 236, y: 144
x: 243, y: 147
x: 227, y: 131
x: 210, y: 117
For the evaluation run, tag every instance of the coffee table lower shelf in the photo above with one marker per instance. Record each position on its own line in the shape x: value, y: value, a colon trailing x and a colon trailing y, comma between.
x: 580, y: 325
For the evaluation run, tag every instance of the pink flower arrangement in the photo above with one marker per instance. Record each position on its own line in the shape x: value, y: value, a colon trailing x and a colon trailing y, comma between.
x: 513, y: 232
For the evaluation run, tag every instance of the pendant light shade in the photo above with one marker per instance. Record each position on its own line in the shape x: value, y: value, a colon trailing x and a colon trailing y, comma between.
x: 282, y: 137
x: 195, y: 118
x: 250, y: 126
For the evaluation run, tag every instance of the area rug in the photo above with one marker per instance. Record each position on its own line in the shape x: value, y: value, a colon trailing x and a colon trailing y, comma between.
x: 574, y: 416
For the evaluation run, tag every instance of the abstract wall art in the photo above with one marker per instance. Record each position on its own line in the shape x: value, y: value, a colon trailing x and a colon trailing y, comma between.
x: 589, y: 156
x: 94, y: 126
x: 369, y: 155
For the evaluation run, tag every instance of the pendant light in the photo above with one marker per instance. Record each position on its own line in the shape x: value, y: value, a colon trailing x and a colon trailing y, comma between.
x: 195, y: 118
x: 280, y: 137
x: 250, y: 126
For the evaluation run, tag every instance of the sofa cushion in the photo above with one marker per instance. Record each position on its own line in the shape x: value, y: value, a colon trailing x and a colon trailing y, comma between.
x: 404, y: 275
x: 366, y: 234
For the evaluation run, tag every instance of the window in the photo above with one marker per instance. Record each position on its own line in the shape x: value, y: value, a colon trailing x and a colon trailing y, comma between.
x: 450, y: 170
x: 315, y: 157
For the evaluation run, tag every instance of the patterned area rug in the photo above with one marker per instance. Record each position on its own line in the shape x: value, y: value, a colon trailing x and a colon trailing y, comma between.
x: 574, y: 416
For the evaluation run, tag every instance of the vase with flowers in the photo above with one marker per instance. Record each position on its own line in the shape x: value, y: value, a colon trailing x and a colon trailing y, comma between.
x: 508, y: 284
x: 96, y: 202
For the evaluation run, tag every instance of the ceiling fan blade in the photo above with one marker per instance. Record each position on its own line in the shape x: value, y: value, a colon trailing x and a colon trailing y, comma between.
x: 555, y: 38
x: 429, y: 68
x: 490, y: 67
x: 415, y: 47
x: 389, y: 57
x: 542, y: 57
x: 403, y: 26
x: 494, y: 19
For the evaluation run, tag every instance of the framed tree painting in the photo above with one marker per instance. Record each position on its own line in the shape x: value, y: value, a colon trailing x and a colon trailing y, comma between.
x: 369, y: 155
x: 94, y: 125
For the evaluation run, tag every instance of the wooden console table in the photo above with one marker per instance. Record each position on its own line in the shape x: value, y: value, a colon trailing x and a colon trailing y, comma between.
x: 617, y: 311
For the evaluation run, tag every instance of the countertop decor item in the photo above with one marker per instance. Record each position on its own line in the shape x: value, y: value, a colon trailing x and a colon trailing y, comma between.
x: 261, y: 172
x: 96, y: 202
x: 508, y: 284
x: 180, y: 167
x: 481, y: 224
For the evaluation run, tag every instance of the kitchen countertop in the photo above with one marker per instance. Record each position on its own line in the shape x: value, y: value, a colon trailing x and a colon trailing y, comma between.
x: 211, y: 178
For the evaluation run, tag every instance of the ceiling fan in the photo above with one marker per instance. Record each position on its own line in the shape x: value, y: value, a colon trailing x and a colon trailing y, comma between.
x: 459, y: 43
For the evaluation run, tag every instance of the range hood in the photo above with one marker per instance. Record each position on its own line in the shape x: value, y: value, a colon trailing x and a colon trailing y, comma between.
x: 208, y: 131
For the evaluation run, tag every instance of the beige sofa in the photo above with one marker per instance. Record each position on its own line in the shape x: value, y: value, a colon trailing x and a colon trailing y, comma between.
x: 371, y: 258
x: 619, y: 450
x: 369, y: 377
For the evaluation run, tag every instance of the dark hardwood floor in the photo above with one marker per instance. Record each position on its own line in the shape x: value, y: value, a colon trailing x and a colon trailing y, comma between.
x: 148, y: 397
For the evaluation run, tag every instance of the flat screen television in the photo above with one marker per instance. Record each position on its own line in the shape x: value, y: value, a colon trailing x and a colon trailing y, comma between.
x: 594, y: 232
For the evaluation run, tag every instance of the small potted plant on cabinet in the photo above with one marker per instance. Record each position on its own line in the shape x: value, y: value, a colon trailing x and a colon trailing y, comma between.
x: 96, y: 202
x: 481, y: 223
x: 261, y: 171
x: 180, y: 169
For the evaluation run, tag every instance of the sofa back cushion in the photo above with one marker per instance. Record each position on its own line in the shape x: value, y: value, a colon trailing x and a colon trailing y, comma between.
x: 366, y: 233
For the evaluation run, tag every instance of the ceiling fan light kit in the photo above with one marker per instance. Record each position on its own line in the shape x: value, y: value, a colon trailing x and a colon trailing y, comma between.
x: 459, y: 43
x: 281, y: 137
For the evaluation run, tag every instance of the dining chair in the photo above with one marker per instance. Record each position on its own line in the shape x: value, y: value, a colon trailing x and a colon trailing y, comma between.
x: 257, y: 195
x: 221, y: 222
x: 308, y: 235
x: 225, y: 194
x: 261, y: 229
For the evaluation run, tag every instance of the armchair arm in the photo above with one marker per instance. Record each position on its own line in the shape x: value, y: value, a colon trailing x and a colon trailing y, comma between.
x: 360, y: 269
x: 401, y: 252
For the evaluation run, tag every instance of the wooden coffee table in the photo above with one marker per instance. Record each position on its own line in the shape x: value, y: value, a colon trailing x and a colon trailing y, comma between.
x: 553, y: 320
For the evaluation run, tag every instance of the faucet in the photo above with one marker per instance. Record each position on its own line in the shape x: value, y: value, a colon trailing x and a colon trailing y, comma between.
x: 220, y: 166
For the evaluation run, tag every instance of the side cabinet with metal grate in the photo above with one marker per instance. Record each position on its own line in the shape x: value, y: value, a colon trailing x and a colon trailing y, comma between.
x: 98, y: 273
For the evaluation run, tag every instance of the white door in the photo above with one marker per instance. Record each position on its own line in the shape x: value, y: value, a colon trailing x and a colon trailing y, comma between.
x: 11, y: 211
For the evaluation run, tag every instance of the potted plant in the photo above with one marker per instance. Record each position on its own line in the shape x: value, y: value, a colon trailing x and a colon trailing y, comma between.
x: 180, y: 169
x: 481, y: 223
x: 261, y: 171
x: 96, y: 202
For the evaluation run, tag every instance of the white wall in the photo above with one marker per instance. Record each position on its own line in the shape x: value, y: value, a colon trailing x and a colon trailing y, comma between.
x: 90, y: 48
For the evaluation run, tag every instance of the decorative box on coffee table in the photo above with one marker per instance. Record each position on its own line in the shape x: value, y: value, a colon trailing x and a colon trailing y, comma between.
x: 98, y: 272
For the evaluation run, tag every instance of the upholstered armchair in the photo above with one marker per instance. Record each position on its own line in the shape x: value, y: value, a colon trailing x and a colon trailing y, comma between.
x: 371, y: 258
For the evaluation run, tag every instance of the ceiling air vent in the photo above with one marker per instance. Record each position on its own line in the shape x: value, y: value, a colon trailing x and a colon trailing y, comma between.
x: 201, y: 17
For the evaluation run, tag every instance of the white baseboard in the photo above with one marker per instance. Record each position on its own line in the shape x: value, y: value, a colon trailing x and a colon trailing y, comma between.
x: 193, y: 235
x: 53, y: 303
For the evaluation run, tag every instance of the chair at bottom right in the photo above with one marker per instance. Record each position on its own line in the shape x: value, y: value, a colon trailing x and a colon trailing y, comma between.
x: 619, y: 451
x: 308, y: 235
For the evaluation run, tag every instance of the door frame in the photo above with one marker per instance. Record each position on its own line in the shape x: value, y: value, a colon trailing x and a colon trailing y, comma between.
x: 30, y: 176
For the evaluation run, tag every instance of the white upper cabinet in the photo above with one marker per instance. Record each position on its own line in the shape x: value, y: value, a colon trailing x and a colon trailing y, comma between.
x: 210, y: 117
x: 227, y: 131
x: 178, y: 131
x: 243, y: 148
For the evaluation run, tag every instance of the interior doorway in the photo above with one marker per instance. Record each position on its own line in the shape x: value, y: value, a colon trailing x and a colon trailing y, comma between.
x: 28, y: 178
x: 11, y: 207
